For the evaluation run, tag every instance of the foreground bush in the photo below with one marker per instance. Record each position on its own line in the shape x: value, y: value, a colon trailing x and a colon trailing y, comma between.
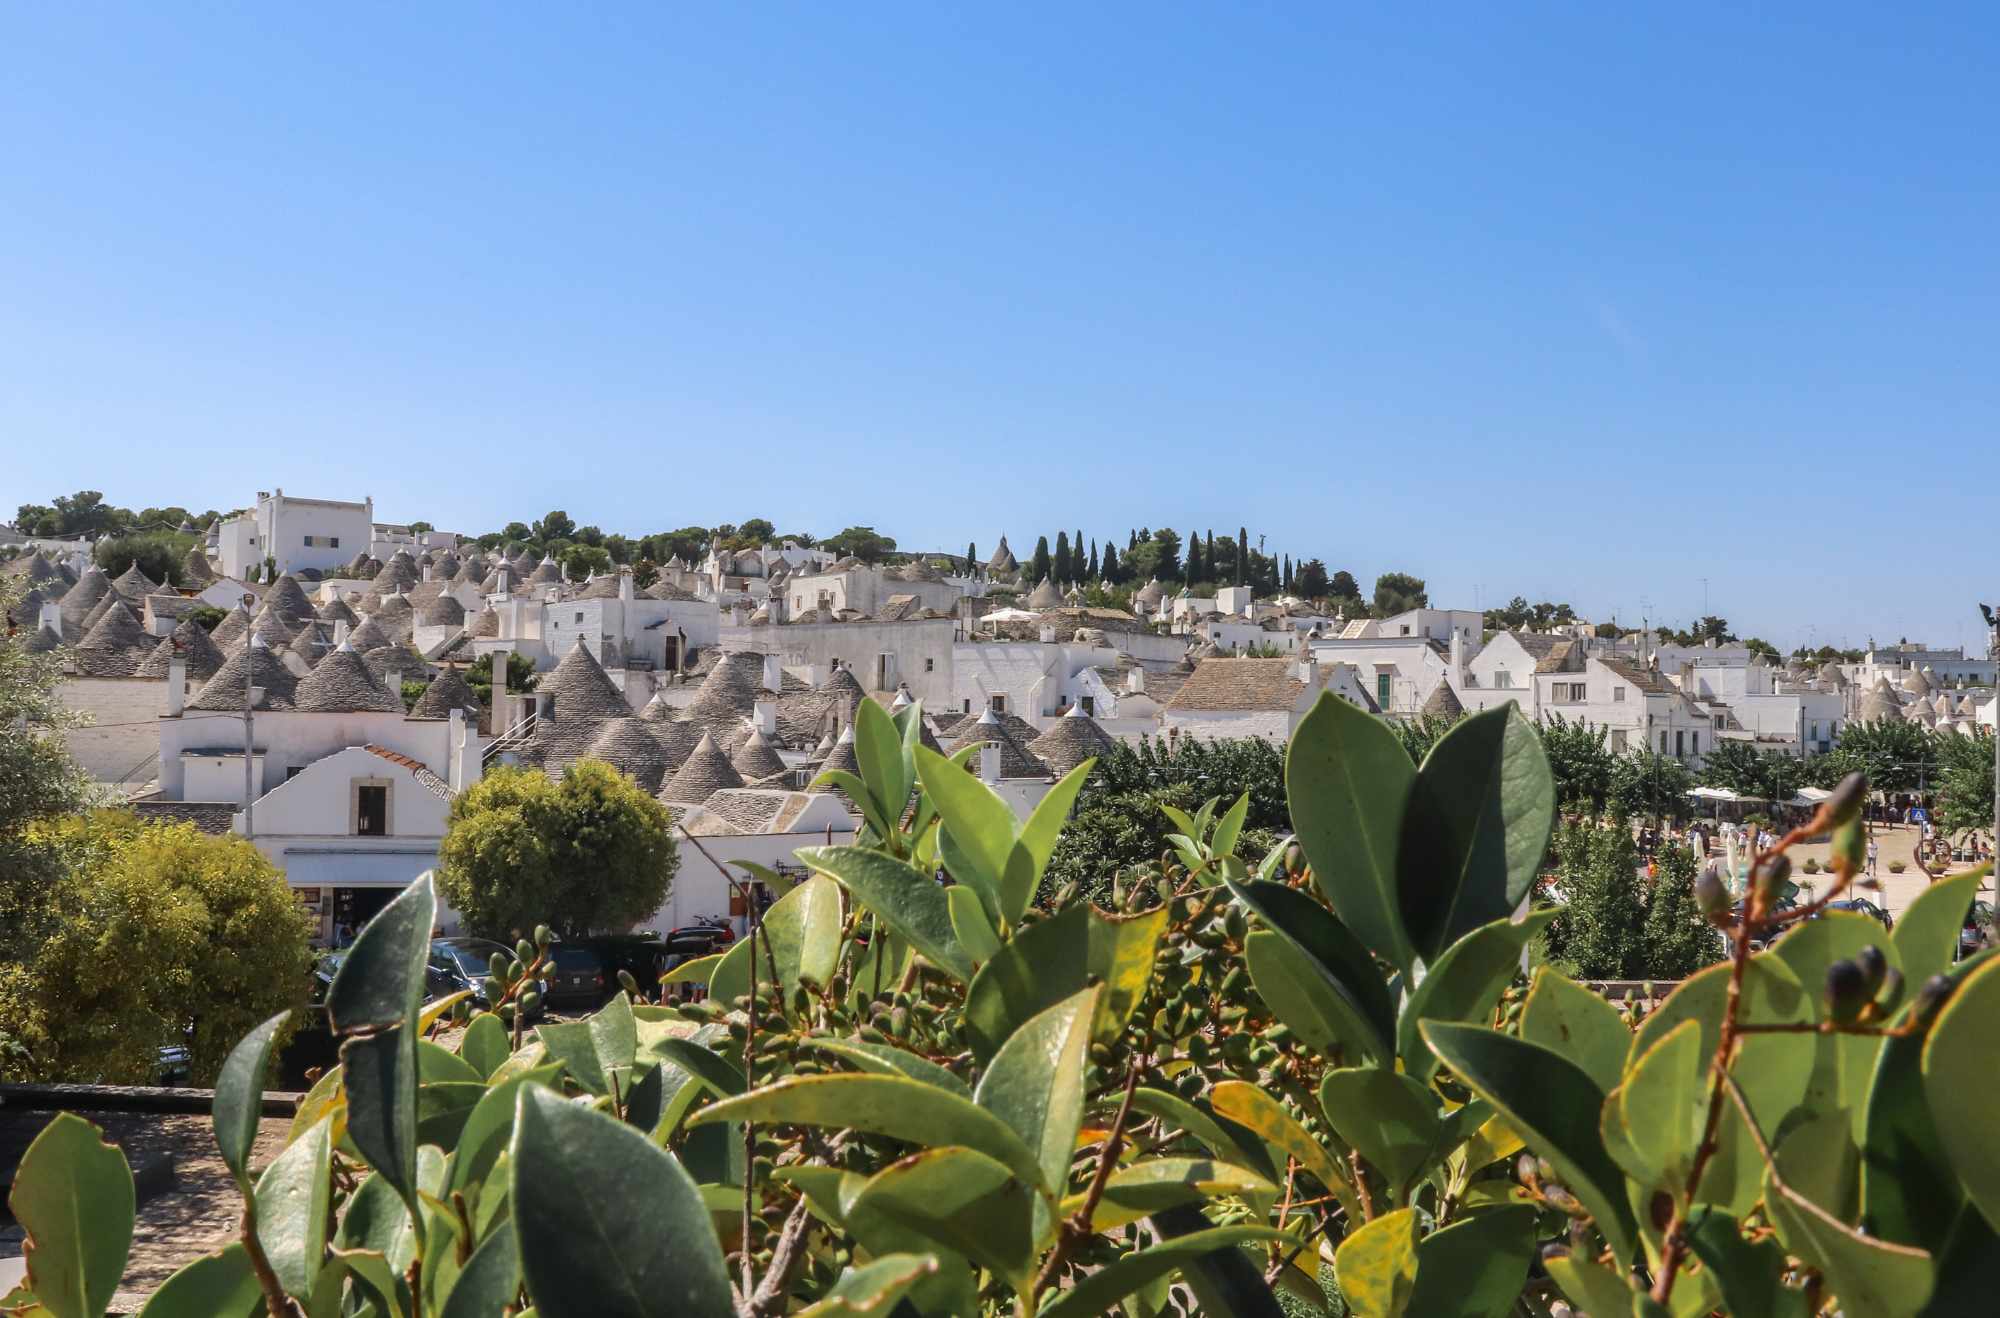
x: 907, y: 1098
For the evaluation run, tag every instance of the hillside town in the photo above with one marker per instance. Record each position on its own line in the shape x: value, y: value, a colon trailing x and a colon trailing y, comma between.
x: 323, y: 684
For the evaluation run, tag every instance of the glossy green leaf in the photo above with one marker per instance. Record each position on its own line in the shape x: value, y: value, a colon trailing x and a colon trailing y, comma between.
x: 1221, y: 1136
x: 875, y: 1287
x: 1035, y: 1084
x: 1389, y: 1119
x: 878, y: 751
x: 381, y: 980
x: 1964, y: 1268
x: 1926, y: 935
x: 212, y: 1286
x: 1341, y: 958
x: 1653, y: 1122
x: 819, y: 931
x: 1222, y: 842
x: 1377, y: 1266
x: 1465, y: 983
x: 293, y: 1199
x: 1958, y: 1068
x: 730, y: 979
x: 1910, y: 1192
x: 1057, y: 958
x: 593, y: 1199
x: 1476, y: 829
x: 73, y: 1195
x: 1104, y: 1288
x: 701, y: 970
x: 1565, y: 1017
x: 1750, y: 1275
x: 981, y: 825
x: 886, y: 1059
x: 1844, y: 1064
x: 488, y: 1282
x: 239, y: 1096
x: 379, y: 1073
x: 1349, y: 784
x: 887, y: 1105
x: 1252, y: 1108
x: 324, y: 1098
x: 970, y: 924
x: 1869, y: 1276
x: 722, y: 1076
x: 1144, y: 1188
x: 1036, y: 842
x: 485, y: 1044
x: 1775, y: 1070
x: 963, y: 1201
x: 1308, y: 1002
x: 490, y: 1129
x: 906, y: 899
x: 1590, y: 1286
x: 372, y: 1271
x: 614, y: 1034
x: 1553, y: 1105
x: 1475, y: 1268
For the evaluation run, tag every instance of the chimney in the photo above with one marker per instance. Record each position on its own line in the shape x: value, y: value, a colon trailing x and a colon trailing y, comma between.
x: 177, y: 681
x: 52, y: 616
x: 815, y: 675
x: 989, y: 761
x: 339, y: 632
x: 427, y: 571
x: 501, y: 582
x: 625, y: 590
x: 393, y: 679
x: 1048, y: 633
x: 774, y: 673
x: 454, y: 749
x: 766, y: 717
x: 545, y: 705
x: 1457, y: 658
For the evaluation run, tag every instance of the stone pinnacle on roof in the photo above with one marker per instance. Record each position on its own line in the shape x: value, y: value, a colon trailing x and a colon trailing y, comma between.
x: 448, y: 692
x: 133, y: 584
x: 706, y: 772
x: 340, y: 683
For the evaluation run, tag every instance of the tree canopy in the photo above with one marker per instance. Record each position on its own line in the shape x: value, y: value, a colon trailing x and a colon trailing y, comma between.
x: 591, y: 853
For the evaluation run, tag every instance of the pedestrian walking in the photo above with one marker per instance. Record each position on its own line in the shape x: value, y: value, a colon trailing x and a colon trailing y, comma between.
x: 1874, y: 853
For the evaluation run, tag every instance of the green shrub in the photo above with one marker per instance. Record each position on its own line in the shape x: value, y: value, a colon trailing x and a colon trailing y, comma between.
x: 922, y: 1099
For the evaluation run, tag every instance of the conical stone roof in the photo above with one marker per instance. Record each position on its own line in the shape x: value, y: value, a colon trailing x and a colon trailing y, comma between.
x: 133, y: 584
x: 448, y: 692
x: 546, y: 573
x: 78, y: 601
x: 1075, y: 738
x: 195, y: 569
x: 312, y: 643
x: 1044, y: 596
x: 1015, y: 762
x: 581, y: 690
x: 256, y: 663
x: 338, y: 610
x: 287, y: 598
x: 706, y: 772
x: 115, y: 647
x: 444, y: 611
x: 406, y: 663
x: 1002, y: 562
x: 273, y: 628
x: 370, y: 635
x: 758, y: 758
x: 204, y: 657
x: 43, y: 641
x: 340, y: 683
x: 730, y: 691
x: 1443, y: 702
x: 629, y: 746
x: 231, y: 629
x: 842, y: 757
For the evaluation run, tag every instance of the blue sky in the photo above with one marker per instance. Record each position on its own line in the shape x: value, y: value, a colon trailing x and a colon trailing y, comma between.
x: 1575, y: 302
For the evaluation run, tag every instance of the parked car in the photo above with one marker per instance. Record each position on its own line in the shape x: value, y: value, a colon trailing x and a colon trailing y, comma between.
x: 577, y: 977
x: 464, y: 963
x: 645, y: 957
x: 707, y: 935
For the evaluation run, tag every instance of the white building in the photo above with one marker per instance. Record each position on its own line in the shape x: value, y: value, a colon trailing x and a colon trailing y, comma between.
x: 1233, y: 698
x: 317, y: 534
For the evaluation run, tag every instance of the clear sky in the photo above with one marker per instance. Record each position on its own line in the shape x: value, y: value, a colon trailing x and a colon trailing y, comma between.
x: 1577, y: 302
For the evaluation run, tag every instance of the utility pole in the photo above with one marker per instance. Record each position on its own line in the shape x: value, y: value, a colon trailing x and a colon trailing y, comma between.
x: 1993, y: 653
x: 250, y: 644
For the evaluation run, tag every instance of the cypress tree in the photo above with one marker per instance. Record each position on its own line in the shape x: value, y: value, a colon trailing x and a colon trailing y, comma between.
x: 1111, y: 568
x: 1208, y: 551
x: 1195, y: 571
x: 1076, y: 563
x: 1091, y: 573
x: 971, y: 557
x: 1242, y: 555
x: 1038, y: 566
x: 1131, y: 542
x: 1286, y: 583
x: 1065, y: 567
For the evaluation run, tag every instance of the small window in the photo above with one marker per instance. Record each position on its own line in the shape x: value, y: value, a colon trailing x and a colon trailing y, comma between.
x: 1694, y: 742
x: 1089, y: 704
x: 998, y: 704
x: 293, y: 770
x: 371, y: 811
x: 333, y: 542
x: 309, y: 541
x: 1382, y: 690
x: 965, y: 706
x: 579, y: 615
x: 1617, y: 695
x: 1663, y: 743
x: 930, y: 665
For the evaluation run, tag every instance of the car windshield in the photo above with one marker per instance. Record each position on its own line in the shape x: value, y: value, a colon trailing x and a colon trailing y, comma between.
x: 472, y: 957
x: 575, y: 959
